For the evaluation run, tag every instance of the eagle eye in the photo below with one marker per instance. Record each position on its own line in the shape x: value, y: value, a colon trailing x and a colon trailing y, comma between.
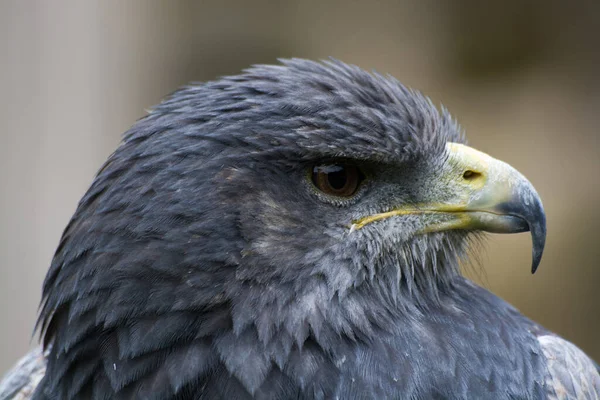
x: 337, y: 179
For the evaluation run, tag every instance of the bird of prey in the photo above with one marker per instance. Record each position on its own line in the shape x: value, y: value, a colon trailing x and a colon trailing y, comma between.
x: 293, y: 232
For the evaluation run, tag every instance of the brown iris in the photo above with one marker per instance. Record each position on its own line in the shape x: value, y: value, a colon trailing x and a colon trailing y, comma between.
x: 342, y: 180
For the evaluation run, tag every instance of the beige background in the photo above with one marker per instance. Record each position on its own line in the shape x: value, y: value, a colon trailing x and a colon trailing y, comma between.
x: 521, y: 76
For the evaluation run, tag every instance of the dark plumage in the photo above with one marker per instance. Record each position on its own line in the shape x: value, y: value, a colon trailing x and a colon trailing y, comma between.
x: 203, y: 264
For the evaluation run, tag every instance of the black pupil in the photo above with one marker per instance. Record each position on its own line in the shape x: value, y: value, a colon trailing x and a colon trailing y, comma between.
x: 338, y: 178
x: 337, y: 175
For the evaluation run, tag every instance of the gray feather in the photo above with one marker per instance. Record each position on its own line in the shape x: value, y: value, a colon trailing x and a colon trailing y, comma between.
x: 20, y: 382
x: 571, y: 374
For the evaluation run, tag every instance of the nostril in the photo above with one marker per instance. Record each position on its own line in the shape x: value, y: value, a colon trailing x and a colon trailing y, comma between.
x: 471, y: 175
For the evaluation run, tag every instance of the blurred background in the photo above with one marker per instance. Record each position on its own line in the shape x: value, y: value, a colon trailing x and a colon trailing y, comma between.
x: 521, y: 76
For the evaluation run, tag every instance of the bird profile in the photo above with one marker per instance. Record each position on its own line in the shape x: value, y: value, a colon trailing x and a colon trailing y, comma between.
x: 293, y: 232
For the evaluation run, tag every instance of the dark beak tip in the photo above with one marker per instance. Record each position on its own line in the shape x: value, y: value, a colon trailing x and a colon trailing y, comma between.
x: 535, y: 264
x: 538, y: 239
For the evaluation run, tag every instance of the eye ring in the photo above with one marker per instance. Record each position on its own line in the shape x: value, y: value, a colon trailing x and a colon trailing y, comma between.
x: 337, y: 179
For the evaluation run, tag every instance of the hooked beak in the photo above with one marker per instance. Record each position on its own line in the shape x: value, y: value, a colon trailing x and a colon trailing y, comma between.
x: 490, y: 196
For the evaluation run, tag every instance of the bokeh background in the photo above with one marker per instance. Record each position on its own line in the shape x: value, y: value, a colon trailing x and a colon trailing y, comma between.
x: 520, y: 75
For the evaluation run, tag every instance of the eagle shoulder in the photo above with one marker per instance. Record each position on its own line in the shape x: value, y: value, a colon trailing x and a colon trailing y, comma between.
x: 571, y: 373
x: 21, y: 381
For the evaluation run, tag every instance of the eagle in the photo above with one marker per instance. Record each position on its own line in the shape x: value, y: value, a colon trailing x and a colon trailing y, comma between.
x: 293, y: 232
